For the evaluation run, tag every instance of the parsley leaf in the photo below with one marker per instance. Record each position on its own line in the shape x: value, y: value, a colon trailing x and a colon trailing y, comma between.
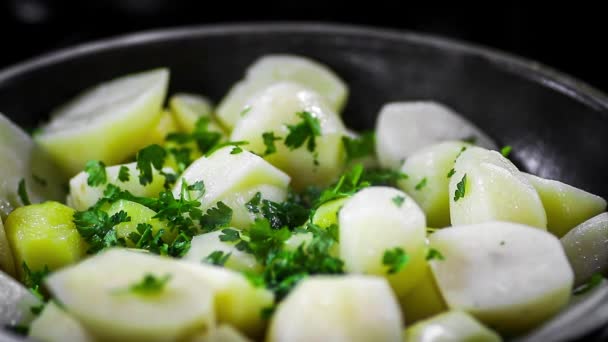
x: 421, y: 184
x: 216, y: 217
x: 33, y: 279
x: 505, y: 151
x: 451, y: 173
x: 460, y: 188
x: 383, y: 177
x: 307, y: 129
x: 217, y: 258
x: 229, y: 235
x: 434, y: 254
x: 269, y: 140
x: 359, y: 147
x: 253, y: 206
x: 198, y: 186
x: 123, y: 174
x: 148, y: 157
x: 236, y: 150
x: 22, y: 192
x: 470, y: 139
x: 395, y: 259
x: 149, y: 285
x: 245, y: 110
x: 96, y: 170
x: 97, y: 228
x: 398, y: 200
x: 595, y: 280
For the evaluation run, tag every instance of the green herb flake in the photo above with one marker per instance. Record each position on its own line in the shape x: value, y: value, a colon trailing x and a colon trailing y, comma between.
x: 123, y: 174
x: 230, y: 235
x: 216, y: 217
x: 245, y: 110
x: 398, y: 200
x: 451, y: 173
x: 269, y: 138
x: 217, y: 258
x: 236, y: 150
x: 595, y: 280
x: 395, y: 259
x: 149, y: 285
x: 253, y: 206
x: 460, y: 188
x: 306, y: 130
x: 421, y: 184
x: 22, y: 192
x: 147, y: 158
x: 470, y: 139
x: 41, y: 181
x: 96, y: 171
x: 360, y: 147
x: 505, y: 151
x: 433, y: 254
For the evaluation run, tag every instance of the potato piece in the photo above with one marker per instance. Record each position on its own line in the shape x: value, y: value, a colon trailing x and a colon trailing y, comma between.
x: 44, y: 235
x: 510, y: 276
x: 205, y: 244
x: 188, y: 108
x: 586, y: 246
x: 109, y: 122
x: 24, y: 160
x: 139, y: 214
x: 565, y: 205
x: 423, y: 301
x: 494, y: 190
x: 82, y: 196
x: 7, y: 262
x: 278, y: 106
x: 403, y: 128
x: 17, y: 302
x: 327, y: 214
x: 237, y: 301
x: 96, y: 292
x: 166, y: 124
x: 241, y: 216
x: 428, y: 180
x: 56, y: 325
x: 452, y: 326
x: 271, y: 69
x: 338, y: 308
x: 223, y: 333
x: 377, y: 219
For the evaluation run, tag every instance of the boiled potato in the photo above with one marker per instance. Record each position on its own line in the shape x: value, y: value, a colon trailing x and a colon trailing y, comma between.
x: 378, y: 219
x: 44, y: 235
x: 565, y: 205
x: 337, y: 308
x: 402, y: 128
x: 493, y: 190
x: 56, y: 325
x: 276, y: 68
x: 17, y: 302
x: 187, y: 109
x: 276, y: 107
x: 109, y: 122
x: 205, y: 244
x: 97, y: 293
x: 166, y: 124
x: 586, y: 246
x: 223, y: 333
x: 241, y: 216
x: 452, y: 326
x: 428, y: 180
x: 327, y: 214
x: 139, y: 214
x: 510, y: 276
x: 7, y: 262
x: 422, y: 301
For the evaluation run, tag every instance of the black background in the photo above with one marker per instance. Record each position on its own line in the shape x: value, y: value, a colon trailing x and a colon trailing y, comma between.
x: 570, y: 37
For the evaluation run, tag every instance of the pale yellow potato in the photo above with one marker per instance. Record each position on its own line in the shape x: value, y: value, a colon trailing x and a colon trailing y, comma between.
x: 56, y: 325
x: 166, y: 124
x: 205, y: 244
x: 7, y: 262
x: 222, y: 333
x: 187, y: 109
x: 422, y: 301
x: 452, y: 326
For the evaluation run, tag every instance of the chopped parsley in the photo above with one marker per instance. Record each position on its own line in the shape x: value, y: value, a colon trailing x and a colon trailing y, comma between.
x: 33, y: 281
x: 236, y: 150
x: 395, y: 259
x: 460, y: 188
x: 253, y: 206
x: 470, y: 139
x: 97, y: 228
x: 147, y: 158
x: 41, y: 181
x: 505, y: 151
x: 123, y: 174
x: 398, y: 200
x: 306, y: 130
x: 451, y: 173
x: 269, y: 138
x: 362, y: 146
x: 433, y: 254
x: 229, y: 235
x: 149, y: 285
x: 216, y: 217
x: 421, y: 184
x: 22, y: 192
x: 462, y: 149
x: 595, y: 280
x: 217, y: 258
x: 96, y: 171
x: 245, y: 110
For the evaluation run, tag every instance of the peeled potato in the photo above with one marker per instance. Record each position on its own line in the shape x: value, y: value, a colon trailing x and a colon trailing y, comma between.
x: 276, y: 68
x: 372, y: 223
x: 494, y: 190
x: 428, y: 181
x: 338, y: 308
x: 56, y: 325
x: 7, y: 262
x: 452, y: 326
x: 403, y: 128
x: 510, y: 276
x: 96, y: 292
x: 422, y: 301
x: 166, y: 124
x: 327, y: 214
x: 99, y: 123
x: 139, y: 214
x: 205, y: 244
x: 223, y: 333
x: 187, y: 109
x: 565, y: 205
x: 586, y: 246
x: 272, y: 110
x: 241, y: 216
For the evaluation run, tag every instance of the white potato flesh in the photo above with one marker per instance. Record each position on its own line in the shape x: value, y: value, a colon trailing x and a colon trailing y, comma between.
x: 452, y: 326
x: 82, y: 195
x: 99, y: 123
x: 17, y: 302
x: 93, y: 291
x: 272, y: 110
x: 494, y: 190
x: 565, y: 205
x: 423, y: 301
x: 56, y: 325
x: 510, y: 276
x: 428, y: 181
x: 586, y: 246
x: 7, y: 262
x: 402, y: 128
x: 276, y: 68
x: 205, y: 244
x: 23, y: 159
x: 338, y: 308
x: 372, y: 223
x: 166, y: 124
x: 241, y: 216
x: 222, y: 333
x: 237, y: 301
x: 187, y: 109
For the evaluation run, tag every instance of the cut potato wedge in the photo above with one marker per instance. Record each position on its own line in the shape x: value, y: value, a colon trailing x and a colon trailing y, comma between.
x: 278, y: 106
x: 493, y: 190
x: 99, y: 123
x: 276, y: 68
x: 338, y: 308
x: 187, y: 109
x: 24, y: 160
x: 327, y: 214
x: 7, y: 262
x: 205, y: 244
x: 56, y: 325
x: 428, y: 180
x: 424, y: 300
x: 166, y: 124
x: 223, y: 333
x: 586, y: 246
x: 96, y: 292
x: 44, y: 235
x: 453, y: 326
x: 403, y: 128
x: 139, y: 214
x: 510, y: 276
x: 241, y: 216
x: 565, y: 205
x: 82, y: 196
x: 373, y: 222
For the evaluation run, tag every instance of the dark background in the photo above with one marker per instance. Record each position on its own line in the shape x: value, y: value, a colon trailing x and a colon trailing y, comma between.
x: 571, y: 38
